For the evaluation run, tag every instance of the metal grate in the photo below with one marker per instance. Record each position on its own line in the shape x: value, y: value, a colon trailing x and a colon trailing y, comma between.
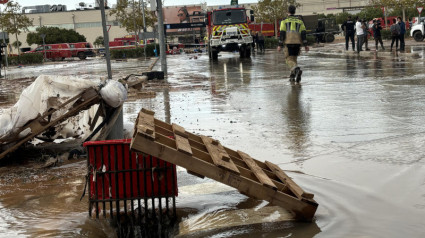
x: 135, y: 191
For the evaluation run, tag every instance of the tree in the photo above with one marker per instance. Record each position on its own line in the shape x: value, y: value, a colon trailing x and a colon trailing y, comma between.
x: 16, y: 44
x: 129, y: 14
x: 54, y: 35
x: 99, y: 41
x: 13, y: 21
x: 271, y: 11
x: 399, y: 4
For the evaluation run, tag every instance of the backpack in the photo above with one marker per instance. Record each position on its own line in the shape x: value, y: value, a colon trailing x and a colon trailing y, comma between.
x: 394, y: 31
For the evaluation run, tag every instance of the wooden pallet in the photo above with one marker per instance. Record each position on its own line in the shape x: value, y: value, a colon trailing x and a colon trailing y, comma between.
x: 205, y: 157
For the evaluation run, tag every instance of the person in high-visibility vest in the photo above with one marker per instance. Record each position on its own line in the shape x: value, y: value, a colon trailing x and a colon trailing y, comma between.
x: 292, y: 36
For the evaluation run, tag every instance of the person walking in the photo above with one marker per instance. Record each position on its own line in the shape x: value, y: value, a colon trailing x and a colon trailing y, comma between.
x: 360, y: 35
x: 260, y: 41
x: 348, y: 28
x: 376, y: 28
x: 395, y: 34
x: 292, y: 36
x: 402, y: 32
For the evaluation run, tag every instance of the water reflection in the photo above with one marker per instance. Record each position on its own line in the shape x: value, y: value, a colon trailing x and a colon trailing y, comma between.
x: 298, y: 121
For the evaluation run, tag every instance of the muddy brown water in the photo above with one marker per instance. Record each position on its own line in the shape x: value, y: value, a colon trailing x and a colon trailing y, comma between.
x: 353, y: 132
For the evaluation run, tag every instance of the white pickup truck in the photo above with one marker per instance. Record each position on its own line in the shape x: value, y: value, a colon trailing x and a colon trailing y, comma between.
x: 417, y: 32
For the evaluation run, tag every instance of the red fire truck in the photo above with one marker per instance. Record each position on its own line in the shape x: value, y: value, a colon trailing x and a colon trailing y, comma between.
x: 53, y: 51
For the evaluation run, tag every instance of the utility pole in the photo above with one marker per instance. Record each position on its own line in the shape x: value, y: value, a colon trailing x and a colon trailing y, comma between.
x: 163, y: 54
x: 117, y: 131
x: 144, y: 27
x: 105, y: 39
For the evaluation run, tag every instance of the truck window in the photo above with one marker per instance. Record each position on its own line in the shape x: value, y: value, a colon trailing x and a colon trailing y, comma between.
x: 229, y: 17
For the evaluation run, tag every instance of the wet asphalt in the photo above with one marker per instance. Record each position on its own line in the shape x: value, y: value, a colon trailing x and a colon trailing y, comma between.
x: 351, y: 133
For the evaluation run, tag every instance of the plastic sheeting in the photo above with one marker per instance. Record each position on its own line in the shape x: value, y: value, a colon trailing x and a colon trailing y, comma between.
x: 48, y: 91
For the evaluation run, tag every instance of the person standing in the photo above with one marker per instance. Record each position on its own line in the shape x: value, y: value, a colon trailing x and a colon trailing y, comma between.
x: 292, y: 35
x: 402, y: 32
x: 348, y: 28
x: 365, y: 33
x: 395, y: 34
x: 260, y: 41
x: 377, y: 34
x: 360, y: 35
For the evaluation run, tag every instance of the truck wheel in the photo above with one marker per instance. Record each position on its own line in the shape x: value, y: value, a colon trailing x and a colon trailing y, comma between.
x: 214, y: 55
x: 81, y: 55
x: 417, y: 35
x: 329, y: 38
x: 242, y: 52
x: 247, y: 52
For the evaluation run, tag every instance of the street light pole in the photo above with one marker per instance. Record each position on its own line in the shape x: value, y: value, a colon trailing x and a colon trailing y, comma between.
x: 163, y: 54
x: 144, y: 27
x: 44, y: 46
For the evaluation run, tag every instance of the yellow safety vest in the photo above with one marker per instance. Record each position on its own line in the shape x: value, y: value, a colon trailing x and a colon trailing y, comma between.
x: 293, y: 28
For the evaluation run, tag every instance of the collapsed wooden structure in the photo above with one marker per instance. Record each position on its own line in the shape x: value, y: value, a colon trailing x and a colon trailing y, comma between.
x: 205, y: 157
x: 43, y: 123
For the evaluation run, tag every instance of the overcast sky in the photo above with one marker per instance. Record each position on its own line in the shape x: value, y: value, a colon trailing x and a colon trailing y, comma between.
x: 72, y: 4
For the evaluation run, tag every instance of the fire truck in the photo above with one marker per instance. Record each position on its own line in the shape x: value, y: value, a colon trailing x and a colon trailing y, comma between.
x: 228, y: 31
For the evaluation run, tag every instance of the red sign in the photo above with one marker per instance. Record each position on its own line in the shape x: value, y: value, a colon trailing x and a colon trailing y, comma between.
x: 3, y: 1
x: 420, y: 9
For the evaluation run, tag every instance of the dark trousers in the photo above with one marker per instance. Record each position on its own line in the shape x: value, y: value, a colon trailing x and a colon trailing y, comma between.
x: 261, y: 45
x: 401, y: 41
x: 395, y: 38
x: 349, y: 36
x: 378, y: 39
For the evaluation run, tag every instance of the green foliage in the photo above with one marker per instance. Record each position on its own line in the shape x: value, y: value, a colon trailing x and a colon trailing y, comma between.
x: 342, y: 17
x: 12, y: 20
x: 29, y: 58
x: 131, y: 16
x: 99, y: 41
x: 271, y: 43
x: 368, y: 13
x: 134, y: 52
x: 269, y: 11
x: 16, y: 44
x: 54, y: 35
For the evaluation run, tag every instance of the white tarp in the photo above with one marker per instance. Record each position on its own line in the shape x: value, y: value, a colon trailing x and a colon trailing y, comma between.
x: 34, y: 101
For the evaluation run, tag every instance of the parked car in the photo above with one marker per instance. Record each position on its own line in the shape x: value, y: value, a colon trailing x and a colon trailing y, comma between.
x: 82, y: 50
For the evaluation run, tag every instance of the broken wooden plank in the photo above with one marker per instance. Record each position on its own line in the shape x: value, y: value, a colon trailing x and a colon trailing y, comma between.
x: 218, y: 154
x: 179, y: 130
x: 258, y: 172
x: 146, y: 125
x: 297, y: 190
x: 183, y: 145
x: 146, y: 111
x: 74, y: 110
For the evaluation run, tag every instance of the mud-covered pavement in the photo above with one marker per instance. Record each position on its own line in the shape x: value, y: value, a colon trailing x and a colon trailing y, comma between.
x: 352, y: 133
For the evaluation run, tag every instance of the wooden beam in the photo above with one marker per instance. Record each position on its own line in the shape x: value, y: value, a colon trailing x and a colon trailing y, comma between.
x: 219, y: 155
x: 183, y: 145
x: 258, y: 172
x: 297, y: 190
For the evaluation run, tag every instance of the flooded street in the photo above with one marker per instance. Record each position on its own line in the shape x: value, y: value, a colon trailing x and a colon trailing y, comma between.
x: 352, y: 134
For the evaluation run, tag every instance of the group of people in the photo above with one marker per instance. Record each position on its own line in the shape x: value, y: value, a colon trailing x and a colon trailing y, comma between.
x: 360, y: 28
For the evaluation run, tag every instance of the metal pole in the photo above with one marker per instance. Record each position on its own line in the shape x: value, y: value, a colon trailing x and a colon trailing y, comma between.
x: 144, y: 27
x: 105, y: 39
x: 44, y: 46
x: 117, y: 129
x: 134, y: 24
x: 163, y: 54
